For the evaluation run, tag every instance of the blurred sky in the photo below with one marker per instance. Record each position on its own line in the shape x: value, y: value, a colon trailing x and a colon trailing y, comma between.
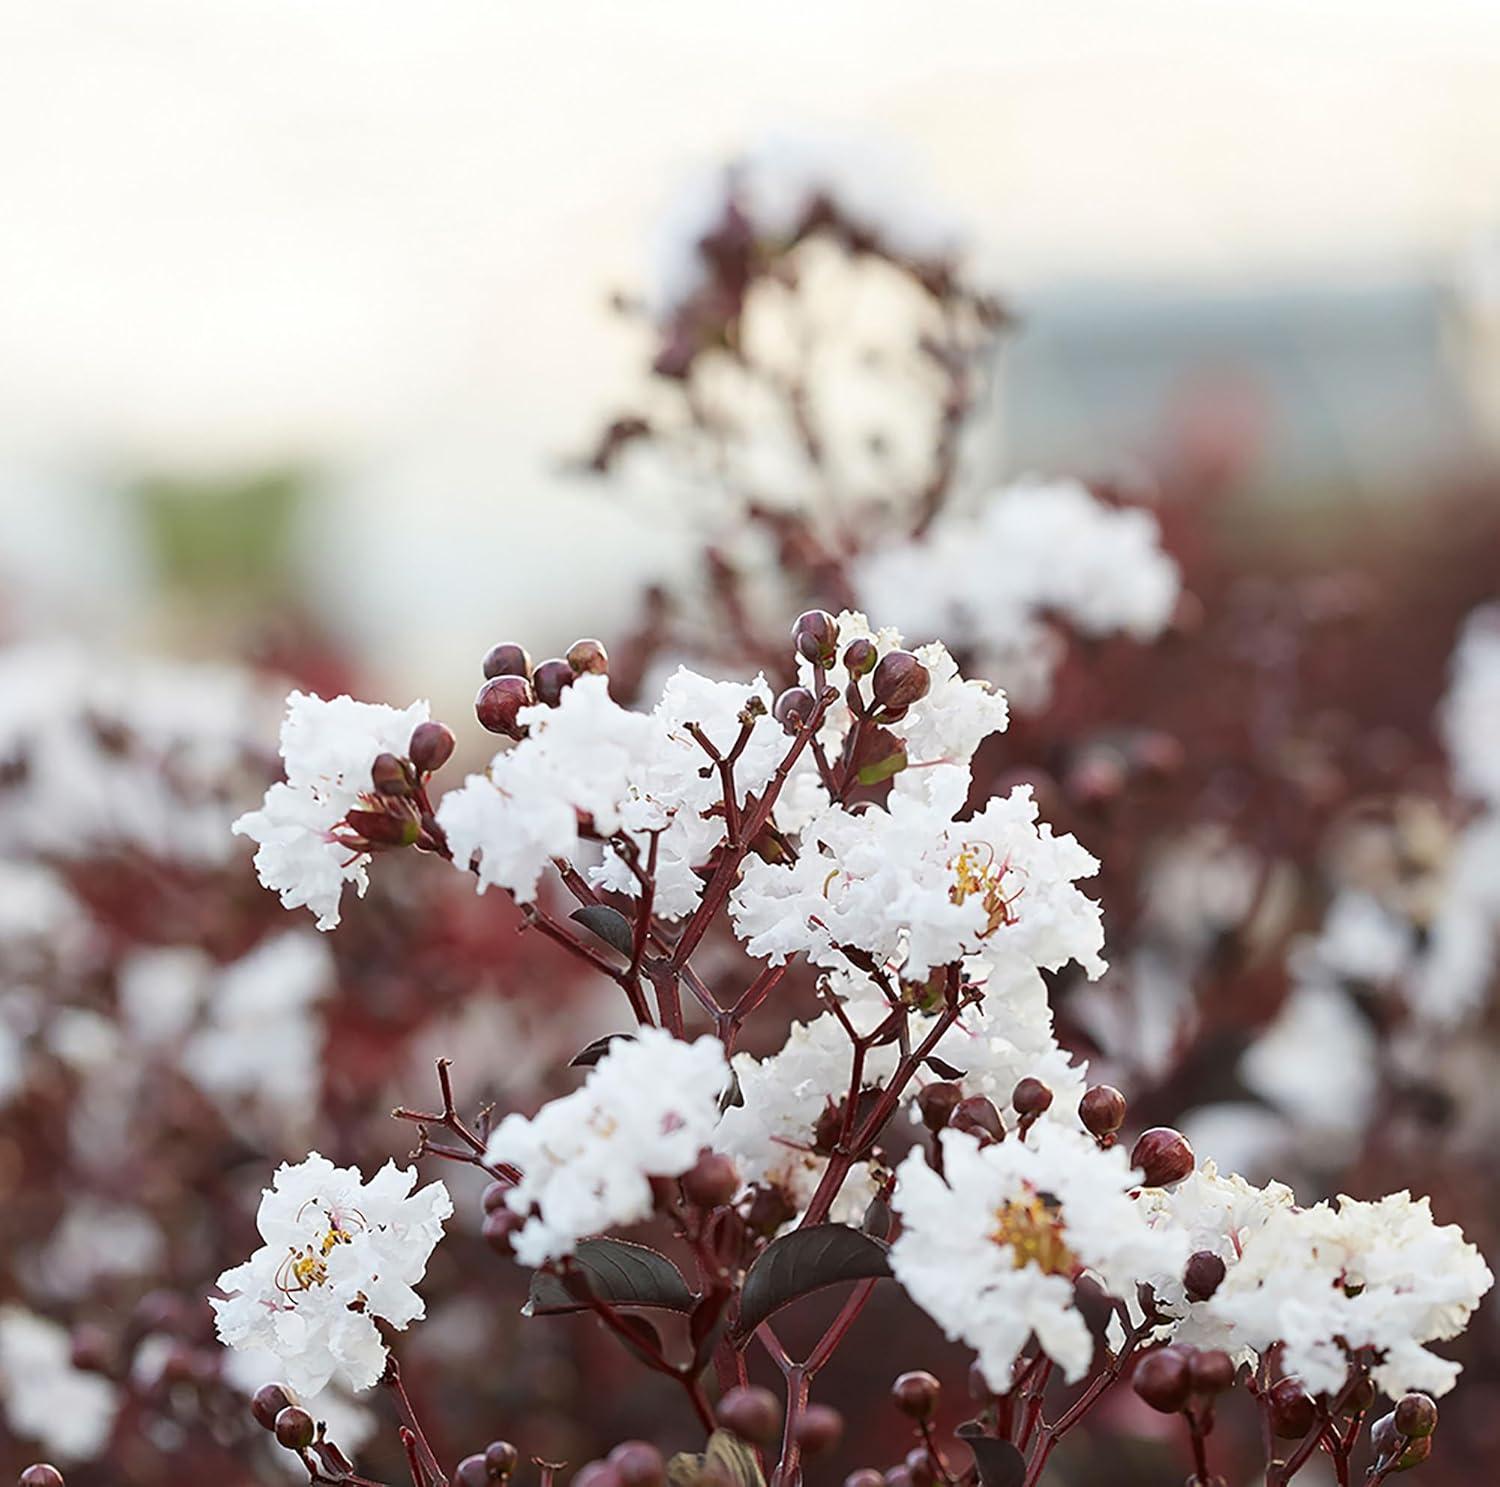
x: 376, y: 238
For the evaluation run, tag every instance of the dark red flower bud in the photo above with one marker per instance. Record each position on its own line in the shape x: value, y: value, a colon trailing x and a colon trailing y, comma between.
x: 916, y: 1394
x: 506, y: 659
x: 900, y: 680
x: 384, y: 828
x: 1291, y: 1409
x: 819, y: 1429
x: 919, y: 1467
x: 769, y: 1209
x: 294, y: 1428
x: 431, y: 746
x: 499, y: 1229
x: 1203, y: 1275
x: 471, y: 1472
x: 551, y: 679
x: 860, y: 657
x: 1161, y: 1379
x: 1102, y: 1110
x: 897, y: 1476
x: 390, y: 775
x: 936, y: 1104
x: 639, y: 1464
x: 1031, y: 1097
x: 91, y: 1348
x: 816, y: 636
x: 977, y: 1115
x: 794, y: 707
x: 588, y: 655
x: 865, y: 1476
x: 878, y: 1218
x: 1416, y: 1415
x: 499, y: 701
x: 596, y: 1474
x: 1361, y: 1394
x: 1163, y: 1156
x: 494, y: 1196
x: 501, y: 1458
x: 752, y: 1413
x: 1210, y: 1371
x: 711, y: 1181
x: 267, y: 1402
x: 43, y: 1474
x: 1392, y: 1445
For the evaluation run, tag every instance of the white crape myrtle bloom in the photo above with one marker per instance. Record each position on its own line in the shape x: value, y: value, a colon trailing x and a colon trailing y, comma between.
x: 626, y: 772
x: 647, y: 1109
x: 327, y: 748
x: 68, y: 1412
x: 1355, y: 1275
x: 339, y: 1253
x: 1470, y: 713
x: 912, y: 887
x: 991, y: 1249
x: 991, y: 581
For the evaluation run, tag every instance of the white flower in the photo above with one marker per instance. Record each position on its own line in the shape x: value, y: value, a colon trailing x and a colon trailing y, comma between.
x: 991, y: 1250
x: 339, y: 1252
x: 1470, y: 713
x: 991, y: 582
x: 327, y: 749
x: 647, y: 1109
x: 1355, y: 1275
x: 911, y: 887
x: 69, y: 1413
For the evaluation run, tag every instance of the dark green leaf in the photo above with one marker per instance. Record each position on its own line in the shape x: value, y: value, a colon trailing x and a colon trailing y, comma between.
x: 610, y: 925
x: 882, y: 764
x: 804, y: 1261
x: 998, y: 1462
x: 728, y: 1459
x: 587, y: 1057
x: 614, y: 1270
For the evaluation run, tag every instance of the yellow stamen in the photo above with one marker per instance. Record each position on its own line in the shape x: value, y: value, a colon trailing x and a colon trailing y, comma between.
x: 1035, y: 1236
x: 972, y: 875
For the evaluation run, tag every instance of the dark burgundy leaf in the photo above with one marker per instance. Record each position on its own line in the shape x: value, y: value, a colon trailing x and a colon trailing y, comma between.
x: 939, y: 1066
x: 616, y: 1271
x: 587, y: 1057
x: 804, y: 1261
x: 610, y: 925
x: 998, y: 1462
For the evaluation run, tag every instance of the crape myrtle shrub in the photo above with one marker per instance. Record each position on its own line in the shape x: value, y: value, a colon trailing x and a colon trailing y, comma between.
x: 861, y: 975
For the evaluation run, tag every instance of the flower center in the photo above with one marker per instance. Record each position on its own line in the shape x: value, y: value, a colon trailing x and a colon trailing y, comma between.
x: 308, y: 1267
x: 1034, y: 1233
x: 976, y: 873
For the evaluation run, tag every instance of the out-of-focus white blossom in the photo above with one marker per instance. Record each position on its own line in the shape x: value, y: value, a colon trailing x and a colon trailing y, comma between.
x: 647, y: 1109
x: 327, y: 749
x: 1471, y: 711
x: 1035, y: 551
x: 339, y: 1253
x: 69, y: 1413
x: 991, y: 1250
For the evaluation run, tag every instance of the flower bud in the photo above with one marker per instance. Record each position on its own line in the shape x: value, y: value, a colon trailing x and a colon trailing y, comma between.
x: 816, y: 636
x: 551, y: 679
x: 596, y: 1474
x: 860, y: 657
x: 900, y: 680
x: 501, y: 1459
x: 639, y: 1464
x: 471, y: 1472
x: 1291, y: 1409
x: 267, y: 1402
x: 916, y: 1394
x: 43, y: 1474
x: 1102, y: 1110
x: 977, y: 1115
x: 500, y: 700
x: 499, y: 1229
x: 1161, y: 1379
x: 1416, y: 1415
x: 506, y: 659
x: 752, y: 1413
x: 1210, y: 1371
x: 711, y: 1181
x: 866, y: 1476
x: 90, y: 1349
x: 1360, y: 1395
x: 819, y: 1429
x: 384, y: 828
x: 294, y: 1428
x: 431, y: 746
x: 769, y: 1210
x: 1203, y: 1275
x: 1163, y: 1156
x: 897, y: 1476
x: 794, y: 707
x: 588, y: 656
x: 1031, y: 1098
x: 919, y: 1468
x: 936, y: 1104
x: 493, y: 1196
x: 390, y: 775
x: 1391, y: 1444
